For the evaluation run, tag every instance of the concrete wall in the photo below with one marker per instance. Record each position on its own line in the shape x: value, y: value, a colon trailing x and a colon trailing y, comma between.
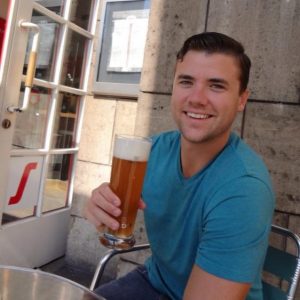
x: 270, y: 31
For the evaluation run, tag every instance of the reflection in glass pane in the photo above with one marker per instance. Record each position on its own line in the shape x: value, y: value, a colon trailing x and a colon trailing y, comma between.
x: 65, y: 121
x: 81, y: 12
x: 57, y: 182
x: 49, y: 33
x: 53, y: 5
x: 18, y: 214
x: 76, y: 46
x: 31, y: 124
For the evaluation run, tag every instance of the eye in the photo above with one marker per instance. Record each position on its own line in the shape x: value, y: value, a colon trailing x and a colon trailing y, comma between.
x: 217, y: 87
x: 184, y: 82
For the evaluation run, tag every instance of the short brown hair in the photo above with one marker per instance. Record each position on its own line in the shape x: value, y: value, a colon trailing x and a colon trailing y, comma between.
x: 215, y: 42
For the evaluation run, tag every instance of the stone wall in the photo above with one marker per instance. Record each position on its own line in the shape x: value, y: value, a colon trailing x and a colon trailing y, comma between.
x: 270, y: 31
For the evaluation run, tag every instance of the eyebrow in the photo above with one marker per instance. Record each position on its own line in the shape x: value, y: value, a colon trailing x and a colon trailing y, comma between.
x: 185, y: 76
x: 218, y: 80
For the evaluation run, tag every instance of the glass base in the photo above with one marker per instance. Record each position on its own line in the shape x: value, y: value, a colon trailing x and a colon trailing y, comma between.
x: 114, y: 242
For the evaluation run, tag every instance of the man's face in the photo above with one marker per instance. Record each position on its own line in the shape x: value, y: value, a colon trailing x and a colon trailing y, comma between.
x: 206, y: 96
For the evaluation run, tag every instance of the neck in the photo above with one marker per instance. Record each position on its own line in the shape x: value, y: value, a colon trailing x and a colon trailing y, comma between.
x: 195, y: 156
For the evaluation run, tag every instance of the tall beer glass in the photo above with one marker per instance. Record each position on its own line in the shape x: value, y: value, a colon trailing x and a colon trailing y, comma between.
x: 129, y: 163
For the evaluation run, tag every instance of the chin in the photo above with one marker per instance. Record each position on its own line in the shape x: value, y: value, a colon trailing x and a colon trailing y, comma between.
x: 195, y: 139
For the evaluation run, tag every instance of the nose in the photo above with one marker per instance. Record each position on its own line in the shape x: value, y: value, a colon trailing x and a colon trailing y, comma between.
x: 198, y: 96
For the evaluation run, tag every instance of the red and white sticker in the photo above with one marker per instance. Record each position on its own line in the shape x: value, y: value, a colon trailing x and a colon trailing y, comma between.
x: 24, y: 182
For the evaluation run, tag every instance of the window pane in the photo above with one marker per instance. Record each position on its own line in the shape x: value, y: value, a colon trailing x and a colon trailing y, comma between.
x: 31, y: 124
x: 49, y: 33
x: 65, y: 121
x: 123, y: 41
x: 57, y: 182
x: 53, y: 5
x: 74, y: 60
x: 81, y: 12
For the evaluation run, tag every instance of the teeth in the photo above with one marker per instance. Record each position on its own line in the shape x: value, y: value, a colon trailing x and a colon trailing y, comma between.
x: 197, y: 116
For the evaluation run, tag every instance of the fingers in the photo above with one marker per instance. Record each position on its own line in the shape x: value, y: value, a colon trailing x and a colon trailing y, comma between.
x: 142, y: 204
x: 102, y: 208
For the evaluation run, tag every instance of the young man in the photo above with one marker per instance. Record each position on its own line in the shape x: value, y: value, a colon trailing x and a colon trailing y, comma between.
x: 208, y: 197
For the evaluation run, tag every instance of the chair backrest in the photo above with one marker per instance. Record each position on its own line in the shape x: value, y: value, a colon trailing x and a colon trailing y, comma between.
x: 282, y: 267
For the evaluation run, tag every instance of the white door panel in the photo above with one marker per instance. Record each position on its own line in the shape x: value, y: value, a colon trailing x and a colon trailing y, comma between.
x: 40, y: 145
x: 34, y: 248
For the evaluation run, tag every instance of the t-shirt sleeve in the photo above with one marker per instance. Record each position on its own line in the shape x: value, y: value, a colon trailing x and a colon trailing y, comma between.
x: 234, y: 237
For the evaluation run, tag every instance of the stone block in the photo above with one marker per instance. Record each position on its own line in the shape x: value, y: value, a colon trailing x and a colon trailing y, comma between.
x: 169, y: 26
x: 87, y: 177
x: 278, y: 242
x: 237, y: 124
x: 294, y: 225
x: 273, y: 131
x: 125, y: 117
x: 141, y: 238
x: 268, y: 30
x: 84, y: 248
x: 282, y: 220
x: 129, y: 261
x: 97, y: 130
x: 153, y: 114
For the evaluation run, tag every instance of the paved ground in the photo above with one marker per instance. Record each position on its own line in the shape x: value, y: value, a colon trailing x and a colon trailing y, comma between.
x: 61, y: 268
x: 80, y: 275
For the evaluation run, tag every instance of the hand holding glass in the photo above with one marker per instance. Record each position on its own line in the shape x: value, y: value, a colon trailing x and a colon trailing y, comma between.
x: 129, y: 164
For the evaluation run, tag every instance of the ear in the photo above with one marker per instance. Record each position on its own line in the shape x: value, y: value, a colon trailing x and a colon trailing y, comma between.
x: 243, y: 98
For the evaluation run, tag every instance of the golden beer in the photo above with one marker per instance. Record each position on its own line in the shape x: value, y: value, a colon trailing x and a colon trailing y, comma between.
x: 128, y: 170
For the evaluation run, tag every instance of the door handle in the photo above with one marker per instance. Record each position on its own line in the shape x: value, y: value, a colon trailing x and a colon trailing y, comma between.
x: 31, y: 65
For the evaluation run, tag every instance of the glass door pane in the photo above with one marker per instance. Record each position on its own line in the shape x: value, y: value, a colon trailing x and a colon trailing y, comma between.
x: 80, y: 12
x: 49, y: 35
x: 74, y: 59
x: 56, y: 6
x: 57, y: 182
x: 31, y: 124
x: 65, y: 123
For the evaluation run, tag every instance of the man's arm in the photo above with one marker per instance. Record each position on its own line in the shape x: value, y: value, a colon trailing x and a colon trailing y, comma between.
x: 204, y: 286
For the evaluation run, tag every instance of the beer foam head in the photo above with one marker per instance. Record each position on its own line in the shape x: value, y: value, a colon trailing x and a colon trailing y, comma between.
x: 132, y: 148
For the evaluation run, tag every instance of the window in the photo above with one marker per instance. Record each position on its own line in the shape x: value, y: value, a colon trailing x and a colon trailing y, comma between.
x: 121, y: 50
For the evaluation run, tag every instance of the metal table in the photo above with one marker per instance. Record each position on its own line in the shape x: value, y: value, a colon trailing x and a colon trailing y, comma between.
x: 29, y: 284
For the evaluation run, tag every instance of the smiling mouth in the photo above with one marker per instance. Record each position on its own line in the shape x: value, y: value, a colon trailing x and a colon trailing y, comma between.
x: 198, y: 116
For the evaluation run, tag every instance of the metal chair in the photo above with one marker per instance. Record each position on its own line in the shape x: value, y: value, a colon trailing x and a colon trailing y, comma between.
x: 105, y: 259
x: 284, y: 266
x: 280, y: 263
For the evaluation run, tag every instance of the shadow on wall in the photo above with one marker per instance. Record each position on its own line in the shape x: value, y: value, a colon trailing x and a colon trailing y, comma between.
x: 169, y: 26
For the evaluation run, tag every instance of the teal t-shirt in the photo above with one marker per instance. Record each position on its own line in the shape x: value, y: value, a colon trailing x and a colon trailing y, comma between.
x: 218, y: 219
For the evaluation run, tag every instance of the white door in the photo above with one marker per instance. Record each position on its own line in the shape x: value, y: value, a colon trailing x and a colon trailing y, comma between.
x: 40, y: 122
